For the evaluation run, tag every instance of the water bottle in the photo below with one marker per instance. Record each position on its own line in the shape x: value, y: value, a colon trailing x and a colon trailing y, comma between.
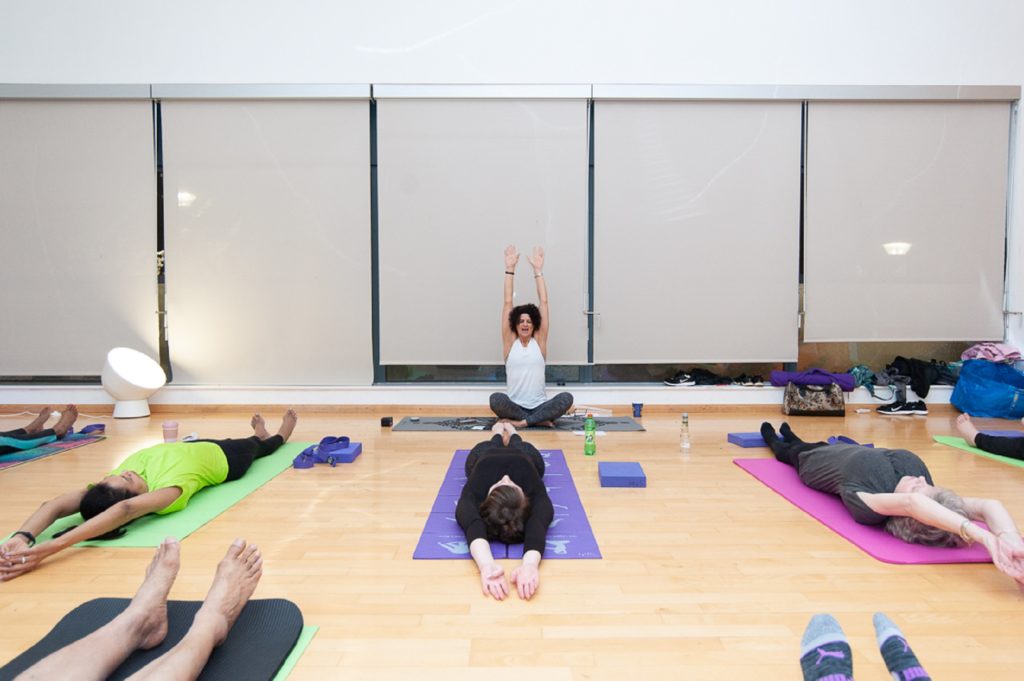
x: 684, y: 433
x: 589, y: 436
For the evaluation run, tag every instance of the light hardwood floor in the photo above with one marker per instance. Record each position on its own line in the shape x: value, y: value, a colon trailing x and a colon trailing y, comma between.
x: 706, y: 573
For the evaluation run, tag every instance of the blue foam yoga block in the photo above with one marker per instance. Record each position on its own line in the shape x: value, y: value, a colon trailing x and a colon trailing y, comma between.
x: 349, y: 454
x: 747, y: 439
x: 621, y: 474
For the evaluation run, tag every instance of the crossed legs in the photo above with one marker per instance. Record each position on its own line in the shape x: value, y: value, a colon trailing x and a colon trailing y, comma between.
x: 143, y: 624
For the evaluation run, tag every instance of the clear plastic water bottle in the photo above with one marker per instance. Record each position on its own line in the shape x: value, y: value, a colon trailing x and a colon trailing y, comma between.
x: 589, y: 436
x: 684, y: 433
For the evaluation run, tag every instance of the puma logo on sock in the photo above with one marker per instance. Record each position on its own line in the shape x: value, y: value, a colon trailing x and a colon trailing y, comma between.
x: 822, y: 654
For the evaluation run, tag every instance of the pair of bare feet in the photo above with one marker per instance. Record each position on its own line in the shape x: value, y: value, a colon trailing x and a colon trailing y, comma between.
x: 288, y: 421
x: 233, y: 584
x: 68, y: 416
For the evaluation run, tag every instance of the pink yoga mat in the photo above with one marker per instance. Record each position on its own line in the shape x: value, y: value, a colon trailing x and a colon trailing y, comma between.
x: 828, y: 509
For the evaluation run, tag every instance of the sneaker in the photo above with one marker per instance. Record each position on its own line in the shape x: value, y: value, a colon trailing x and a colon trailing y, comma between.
x: 680, y: 379
x: 897, y: 409
x: 919, y: 407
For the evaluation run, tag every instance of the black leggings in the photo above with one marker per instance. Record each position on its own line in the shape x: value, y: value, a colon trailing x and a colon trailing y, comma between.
x: 515, y: 446
x: 504, y: 408
x: 18, y: 440
x: 788, y: 448
x: 1012, y: 447
x: 242, y: 452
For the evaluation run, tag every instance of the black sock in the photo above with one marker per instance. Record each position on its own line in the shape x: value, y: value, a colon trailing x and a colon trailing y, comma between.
x: 768, y: 433
x: 787, y: 433
x: 899, y: 658
x: 824, y: 652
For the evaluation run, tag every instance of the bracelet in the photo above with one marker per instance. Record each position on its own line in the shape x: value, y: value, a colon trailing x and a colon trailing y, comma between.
x: 538, y: 275
x: 963, y: 531
x: 512, y: 273
x: 27, y: 535
x: 1000, y: 534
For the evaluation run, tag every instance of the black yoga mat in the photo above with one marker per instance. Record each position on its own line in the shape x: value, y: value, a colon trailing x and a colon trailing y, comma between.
x: 257, y: 645
x: 483, y: 423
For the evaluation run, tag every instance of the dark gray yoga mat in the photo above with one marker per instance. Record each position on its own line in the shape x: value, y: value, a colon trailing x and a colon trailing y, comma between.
x: 449, y: 423
x: 257, y: 645
x: 569, y: 535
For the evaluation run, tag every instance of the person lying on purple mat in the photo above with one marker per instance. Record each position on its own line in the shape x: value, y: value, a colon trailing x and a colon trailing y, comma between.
x: 524, y: 338
x: 33, y: 435
x: 159, y: 479
x: 894, y: 488
x: 1012, y: 447
x: 505, y: 499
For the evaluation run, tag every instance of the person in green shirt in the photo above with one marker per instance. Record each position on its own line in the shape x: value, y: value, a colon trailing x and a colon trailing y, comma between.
x: 159, y: 479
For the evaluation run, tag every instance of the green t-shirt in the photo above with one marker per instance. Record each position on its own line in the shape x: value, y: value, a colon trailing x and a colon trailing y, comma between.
x: 189, y: 466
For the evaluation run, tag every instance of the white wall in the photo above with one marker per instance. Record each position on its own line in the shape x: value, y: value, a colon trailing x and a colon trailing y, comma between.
x: 915, y: 42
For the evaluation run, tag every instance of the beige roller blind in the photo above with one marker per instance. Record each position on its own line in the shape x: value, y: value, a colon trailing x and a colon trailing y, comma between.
x: 460, y: 179
x: 78, y: 224
x: 268, y: 242
x: 905, y: 220
x: 696, y: 231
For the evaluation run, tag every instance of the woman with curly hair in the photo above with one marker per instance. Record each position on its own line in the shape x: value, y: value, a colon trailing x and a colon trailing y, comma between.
x: 524, y: 337
x: 894, y: 488
x: 505, y: 499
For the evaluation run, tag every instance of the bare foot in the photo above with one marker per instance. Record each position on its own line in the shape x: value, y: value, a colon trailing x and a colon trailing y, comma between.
x: 518, y: 424
x: 288, y: 422
x: 39, y: 421
x: 546, y: 424
x: 236, y: 579
x: 148, y: 609
x: 966, y: 428
x: 66, y: 420
x: 259, y: 427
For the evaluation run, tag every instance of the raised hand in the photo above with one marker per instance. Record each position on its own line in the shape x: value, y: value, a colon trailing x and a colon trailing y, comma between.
x: 511, y: 258
x: 537, y: 259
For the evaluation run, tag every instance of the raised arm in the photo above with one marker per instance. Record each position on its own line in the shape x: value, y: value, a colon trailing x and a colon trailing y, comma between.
x: 541, y: 334
x: 20, y: 561
x: 507, y: 334
x: 1003, y: 542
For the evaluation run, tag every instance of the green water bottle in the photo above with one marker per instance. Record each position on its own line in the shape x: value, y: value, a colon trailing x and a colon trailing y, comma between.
x: 589, y: 436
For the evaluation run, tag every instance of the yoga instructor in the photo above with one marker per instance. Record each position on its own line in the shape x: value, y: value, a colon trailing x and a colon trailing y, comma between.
x: 524, y: 337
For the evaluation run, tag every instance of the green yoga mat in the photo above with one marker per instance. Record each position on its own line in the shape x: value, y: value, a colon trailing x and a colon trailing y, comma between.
x: 308, y: 632
x: 960, y: 443
x: 207, y: 504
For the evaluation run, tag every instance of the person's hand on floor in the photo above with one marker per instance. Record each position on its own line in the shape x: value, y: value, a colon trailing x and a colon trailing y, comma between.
x: 526, y: 577
x: 492, y: 580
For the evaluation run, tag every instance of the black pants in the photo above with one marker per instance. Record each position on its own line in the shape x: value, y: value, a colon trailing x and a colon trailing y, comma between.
x: 504, y: 408
x: 1012, y: 447
x: 515, y: 446
x: 18, y: 440
x: 242, y: 452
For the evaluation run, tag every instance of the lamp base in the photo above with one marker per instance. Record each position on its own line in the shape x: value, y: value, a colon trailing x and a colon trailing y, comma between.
x: 131, y: 409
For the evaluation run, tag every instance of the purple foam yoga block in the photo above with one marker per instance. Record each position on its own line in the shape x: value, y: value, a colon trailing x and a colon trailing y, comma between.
x: 349, y: 454
x: 747, y: 439
x: 621, y: 474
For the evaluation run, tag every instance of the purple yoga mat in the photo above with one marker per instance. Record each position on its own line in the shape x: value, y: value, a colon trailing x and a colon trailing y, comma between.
x: 1003, y: 433
x: 569, y: 535
x: 828, y: 509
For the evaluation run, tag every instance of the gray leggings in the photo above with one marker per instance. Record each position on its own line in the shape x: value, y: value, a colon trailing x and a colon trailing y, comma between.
x: 504, y: 408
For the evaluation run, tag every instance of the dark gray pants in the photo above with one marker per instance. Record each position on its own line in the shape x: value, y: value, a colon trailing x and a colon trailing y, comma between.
x: 504, y: 408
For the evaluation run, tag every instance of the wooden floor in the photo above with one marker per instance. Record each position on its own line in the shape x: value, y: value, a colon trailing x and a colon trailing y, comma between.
x: 706, y: 574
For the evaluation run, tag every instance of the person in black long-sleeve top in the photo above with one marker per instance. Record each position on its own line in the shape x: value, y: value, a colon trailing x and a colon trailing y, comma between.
x: 1012, y: 447
x: 505, y: 499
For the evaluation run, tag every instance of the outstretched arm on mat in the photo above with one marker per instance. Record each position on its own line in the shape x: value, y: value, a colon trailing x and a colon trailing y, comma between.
x: 1003, y: 542
x: 492, y: 575
x: 17, y: 560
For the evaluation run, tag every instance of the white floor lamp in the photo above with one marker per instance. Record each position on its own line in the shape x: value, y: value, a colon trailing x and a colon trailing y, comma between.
x: 130, y: 377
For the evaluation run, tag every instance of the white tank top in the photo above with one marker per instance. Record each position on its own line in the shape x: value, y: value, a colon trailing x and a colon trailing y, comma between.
x: 524, y: 370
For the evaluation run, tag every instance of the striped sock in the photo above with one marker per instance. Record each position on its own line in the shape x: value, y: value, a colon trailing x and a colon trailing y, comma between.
x: 899, y: 658
x: 824, y: 652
